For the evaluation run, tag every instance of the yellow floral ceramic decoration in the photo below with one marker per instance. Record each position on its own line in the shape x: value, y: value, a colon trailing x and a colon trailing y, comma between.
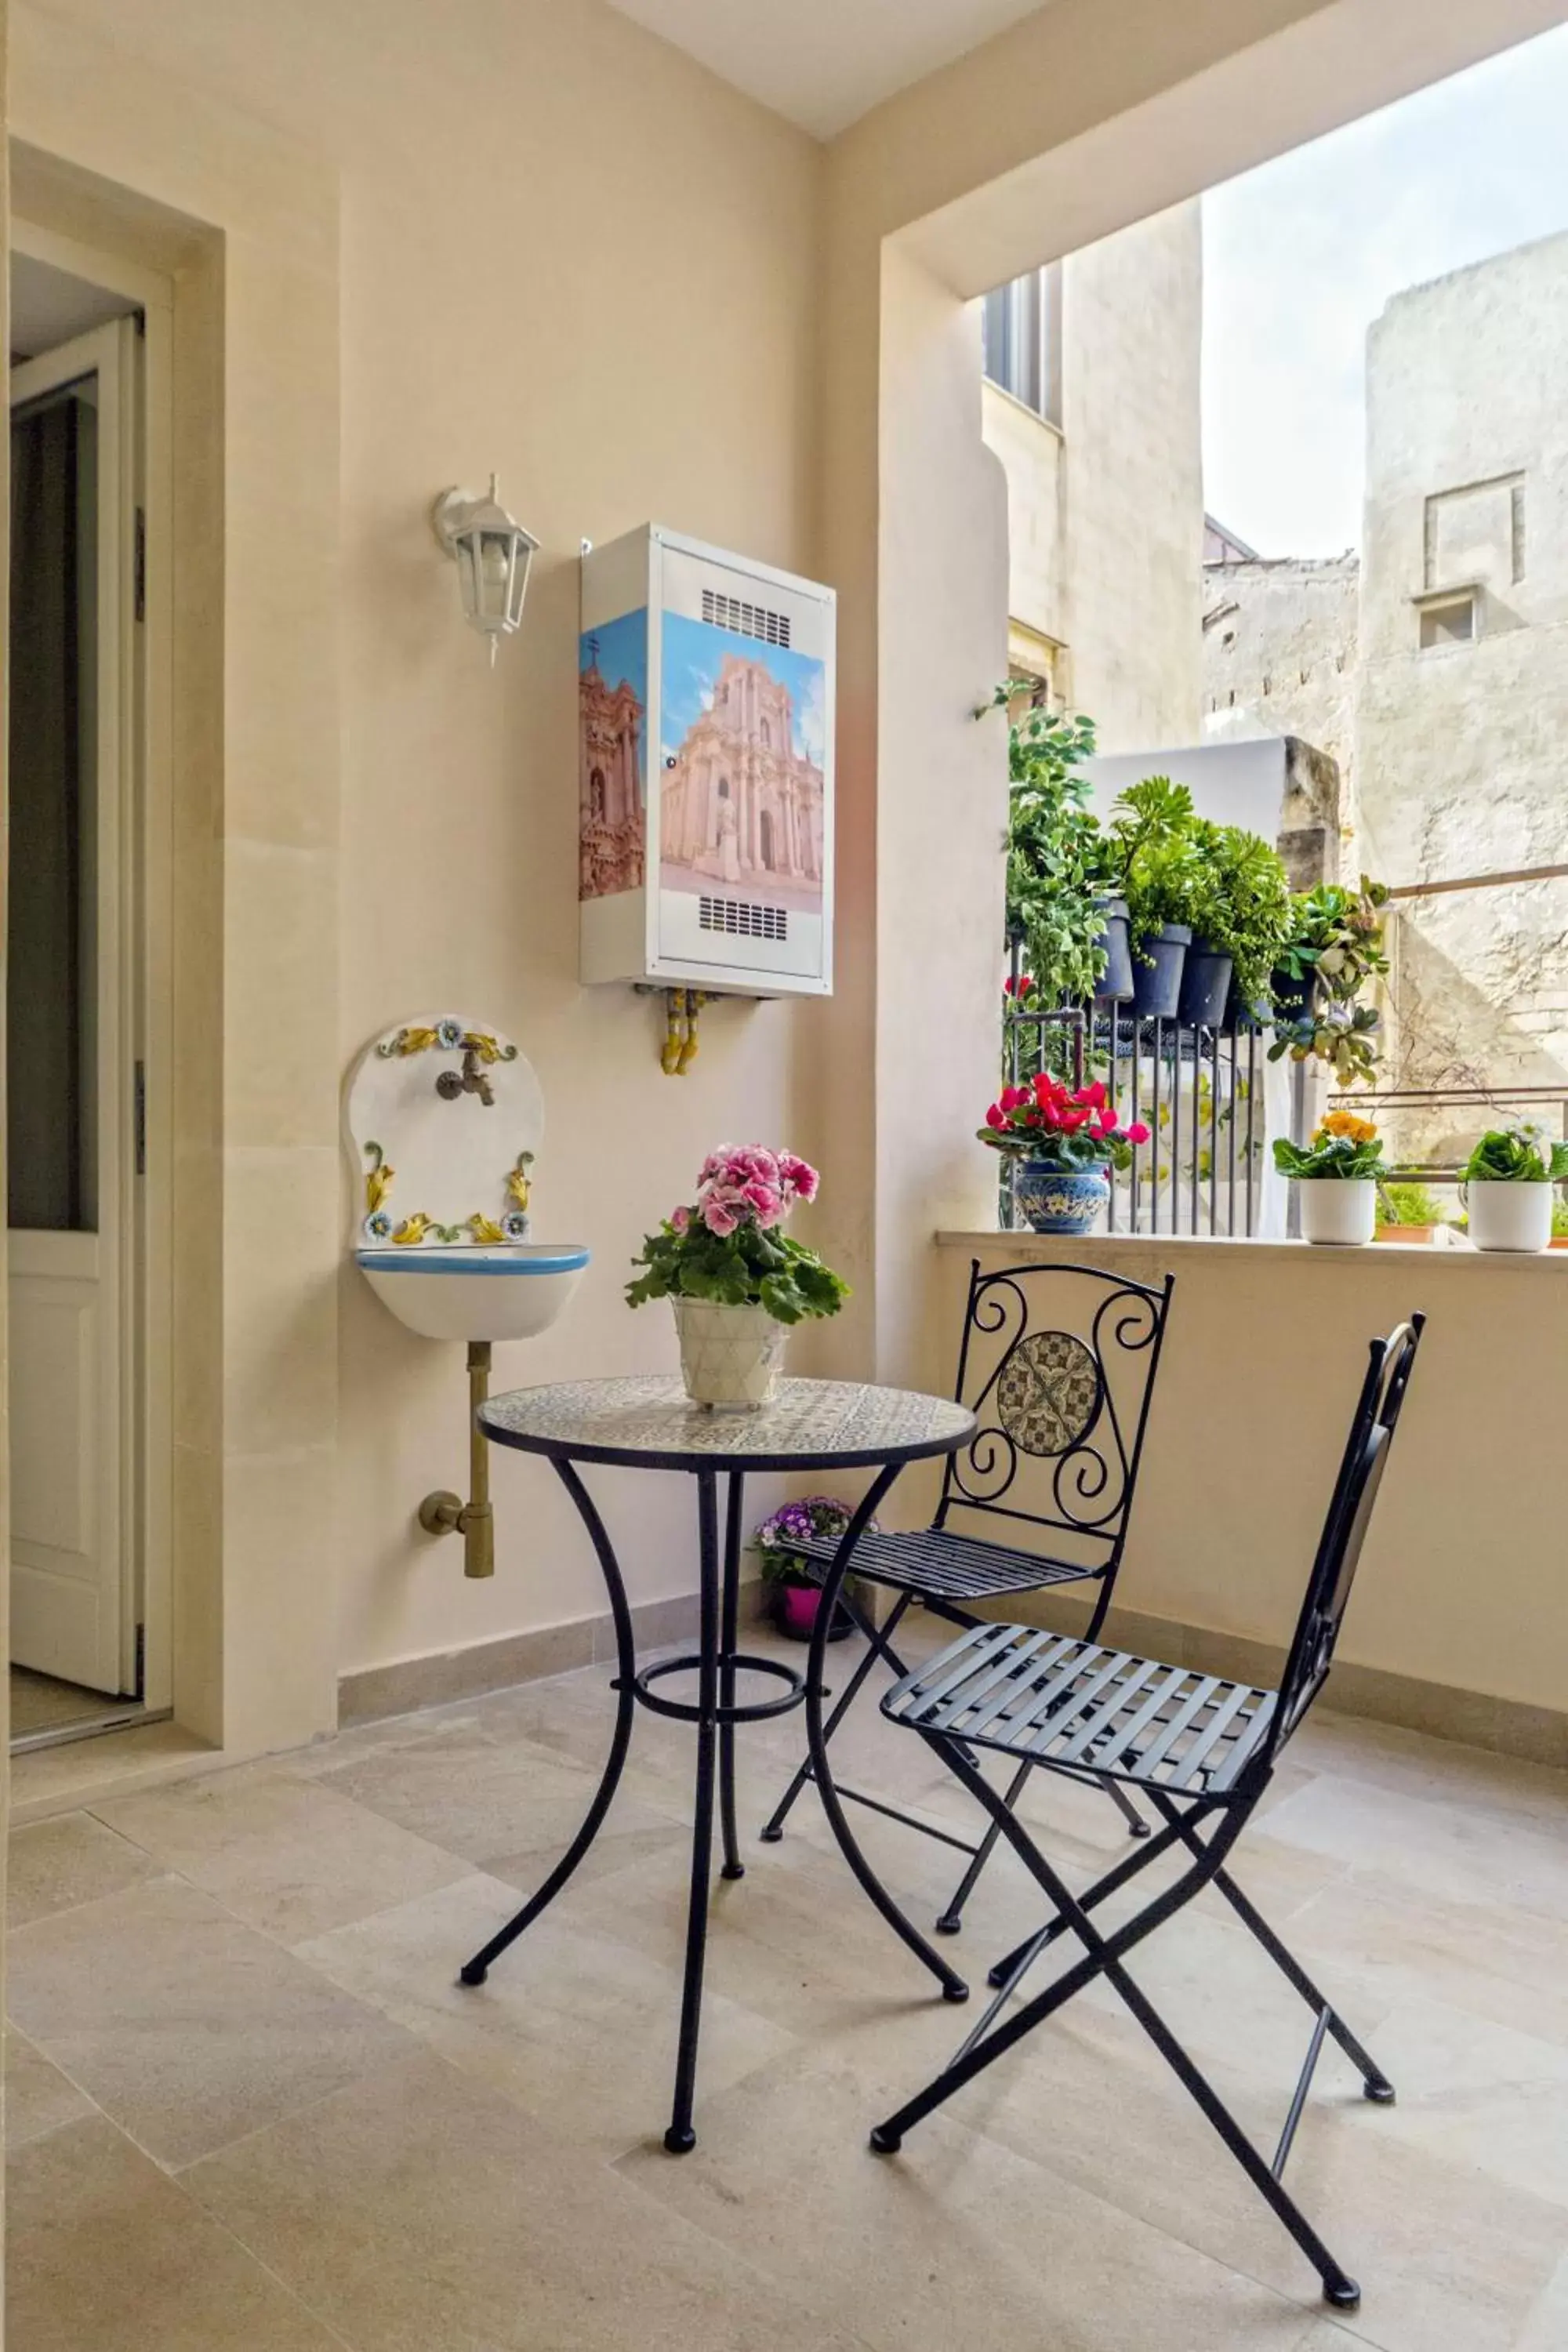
x: 456, y: 1148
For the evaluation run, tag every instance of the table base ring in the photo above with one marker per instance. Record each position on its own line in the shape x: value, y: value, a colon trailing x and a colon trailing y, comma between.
x: 739, y: 1660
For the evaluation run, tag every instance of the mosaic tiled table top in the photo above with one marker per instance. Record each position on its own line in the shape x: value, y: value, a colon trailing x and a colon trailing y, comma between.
x: 649, y: 1420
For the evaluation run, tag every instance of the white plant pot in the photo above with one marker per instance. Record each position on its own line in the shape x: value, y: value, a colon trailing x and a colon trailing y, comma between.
x: 1341, y: 1210
x: 1509, y: 1216
x: 730, y: 1356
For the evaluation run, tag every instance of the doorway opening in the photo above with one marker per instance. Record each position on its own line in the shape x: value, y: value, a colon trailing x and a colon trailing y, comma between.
x: 88, y: 1649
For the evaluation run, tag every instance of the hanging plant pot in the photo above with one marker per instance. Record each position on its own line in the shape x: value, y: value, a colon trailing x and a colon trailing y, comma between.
x: 1289, y: 997
x: 1339, y: 1210
x: 1238, y: 1015
x: 1061, y: 1200
x: 1205, y: 985
x: 1157, y: 972
x: 1508, y: 1217
x: 1116, y: 982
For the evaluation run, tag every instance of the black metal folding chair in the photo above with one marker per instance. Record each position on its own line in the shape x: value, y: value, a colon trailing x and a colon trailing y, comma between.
x: 1058, y: 1361
x: 1201, y: 1750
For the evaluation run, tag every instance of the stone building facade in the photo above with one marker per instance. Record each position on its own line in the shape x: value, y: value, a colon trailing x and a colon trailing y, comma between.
x: 740, y: 803
x: 611, y: 726
x: 1434, y: 669
x: 1105, y: 504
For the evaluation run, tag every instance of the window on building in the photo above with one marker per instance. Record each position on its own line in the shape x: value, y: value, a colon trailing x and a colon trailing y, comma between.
x: 1453, y: 621
x: 1023, y: 340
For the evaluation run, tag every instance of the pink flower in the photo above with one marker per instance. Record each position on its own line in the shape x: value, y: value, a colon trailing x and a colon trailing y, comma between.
x: 996, y: 1116
x: 718, y: 1219
x: 680, y: 1219
x: 764, y: 1200
x: 798, y: 1175
x: 1136, y: 1132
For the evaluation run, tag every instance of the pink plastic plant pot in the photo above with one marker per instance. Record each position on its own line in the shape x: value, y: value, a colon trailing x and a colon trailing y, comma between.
x: 797, y: 1610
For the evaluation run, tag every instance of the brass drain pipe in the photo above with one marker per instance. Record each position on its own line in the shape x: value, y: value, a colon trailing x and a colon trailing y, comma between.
x: 444, y: 1513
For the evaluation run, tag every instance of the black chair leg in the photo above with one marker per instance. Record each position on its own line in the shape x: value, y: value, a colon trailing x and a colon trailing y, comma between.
x: 1103, y: 1957
x: 1375, y: 2085
x: 952, y: 1920
x: 878, y: 1639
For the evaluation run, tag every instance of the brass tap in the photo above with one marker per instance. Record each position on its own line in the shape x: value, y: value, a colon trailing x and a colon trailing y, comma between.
x: 473, y: 1081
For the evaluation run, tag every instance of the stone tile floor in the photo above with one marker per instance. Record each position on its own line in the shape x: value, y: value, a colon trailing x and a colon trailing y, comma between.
x: 248, y: 2107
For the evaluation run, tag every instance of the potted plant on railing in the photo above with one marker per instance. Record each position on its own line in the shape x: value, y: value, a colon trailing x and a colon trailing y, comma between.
x: 1064, y: 1142
x: 1074, y: 935
x: 795, y: 1588
x: 1153, y: 850
x: 735, y: 1280
x: 1240, y: 911
x: 1337, y: 1177
x: 1333, y: 951
x: 1407, y: 1213
x: 1509, y: 1186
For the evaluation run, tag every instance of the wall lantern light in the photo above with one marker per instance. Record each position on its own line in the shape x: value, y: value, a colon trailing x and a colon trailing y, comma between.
x: 492, y: 554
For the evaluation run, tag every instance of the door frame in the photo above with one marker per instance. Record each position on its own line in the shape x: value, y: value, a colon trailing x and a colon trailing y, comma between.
x: 143, y: 1235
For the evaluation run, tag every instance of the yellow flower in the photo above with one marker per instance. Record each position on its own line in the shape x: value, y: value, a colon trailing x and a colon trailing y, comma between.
x: 1345, y: 1123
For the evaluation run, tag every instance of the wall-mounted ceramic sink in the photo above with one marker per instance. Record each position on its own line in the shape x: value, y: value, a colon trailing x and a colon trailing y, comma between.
x: 469, y: 1293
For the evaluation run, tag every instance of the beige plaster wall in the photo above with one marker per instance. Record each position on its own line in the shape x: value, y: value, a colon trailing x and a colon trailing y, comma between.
x: 1263, y: 1357
x: 584, y: 316
x: 586, y: 320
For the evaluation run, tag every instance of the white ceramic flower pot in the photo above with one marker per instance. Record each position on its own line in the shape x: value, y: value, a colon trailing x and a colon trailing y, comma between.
x: 1341, y: 1210
x: 730, y: 1356
x: 1509, y: 1216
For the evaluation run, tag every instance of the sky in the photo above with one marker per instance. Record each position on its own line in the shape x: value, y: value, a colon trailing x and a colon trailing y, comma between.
x: 1300, y: 256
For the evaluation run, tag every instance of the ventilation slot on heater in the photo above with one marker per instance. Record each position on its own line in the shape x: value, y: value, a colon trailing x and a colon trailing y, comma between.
x: 743, y: 921
x: 746, y: 620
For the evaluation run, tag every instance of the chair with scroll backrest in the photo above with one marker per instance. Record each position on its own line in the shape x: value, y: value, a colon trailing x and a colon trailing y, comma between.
x: 1057, y: 1364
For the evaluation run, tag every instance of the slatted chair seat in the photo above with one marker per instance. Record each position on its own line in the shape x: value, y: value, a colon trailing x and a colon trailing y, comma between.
x: 1042, y: 1699
x: 947, y: 1566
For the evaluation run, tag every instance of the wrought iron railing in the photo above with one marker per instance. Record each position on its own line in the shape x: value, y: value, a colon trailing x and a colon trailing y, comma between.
x: 1199, y: 1090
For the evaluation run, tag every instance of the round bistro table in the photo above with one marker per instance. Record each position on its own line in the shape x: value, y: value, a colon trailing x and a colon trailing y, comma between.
x: 648, y: 1423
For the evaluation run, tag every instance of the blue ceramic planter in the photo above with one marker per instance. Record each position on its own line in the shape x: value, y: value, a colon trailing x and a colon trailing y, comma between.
x: 1060, y: 1201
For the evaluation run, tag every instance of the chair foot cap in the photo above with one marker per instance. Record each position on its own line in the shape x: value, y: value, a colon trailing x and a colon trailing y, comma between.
x: 949, y: 1924
x: 1137, y: 1829
x: 681, y: 2141
x: 471, y: 1973
x: 734, y: 1870
x: 1380, y: 2094
x: 771, y: 1836
x: 1343, y: 2293
x: 955, y: 1991
x: 886, y: 2143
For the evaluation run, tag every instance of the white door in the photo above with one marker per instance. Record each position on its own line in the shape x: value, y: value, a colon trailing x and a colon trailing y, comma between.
x: 72, y: 1078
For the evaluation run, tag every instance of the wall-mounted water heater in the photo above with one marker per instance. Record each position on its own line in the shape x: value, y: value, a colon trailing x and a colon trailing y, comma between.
x: 705, y: 770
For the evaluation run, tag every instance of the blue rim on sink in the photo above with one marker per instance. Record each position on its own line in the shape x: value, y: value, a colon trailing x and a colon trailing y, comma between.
x: 517, y: 1259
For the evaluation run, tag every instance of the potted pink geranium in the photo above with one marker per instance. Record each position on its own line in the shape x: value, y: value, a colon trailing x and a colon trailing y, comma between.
x: 734, y: 1279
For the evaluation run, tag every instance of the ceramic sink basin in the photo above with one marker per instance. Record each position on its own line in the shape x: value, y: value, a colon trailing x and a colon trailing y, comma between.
x: 506, y: 1293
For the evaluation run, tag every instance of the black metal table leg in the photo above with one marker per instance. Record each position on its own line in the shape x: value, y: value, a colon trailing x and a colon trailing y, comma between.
x: 680, y: 2137
x: 474, y: 1971
x: 733, y: 1867
x: 953, y: 1985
